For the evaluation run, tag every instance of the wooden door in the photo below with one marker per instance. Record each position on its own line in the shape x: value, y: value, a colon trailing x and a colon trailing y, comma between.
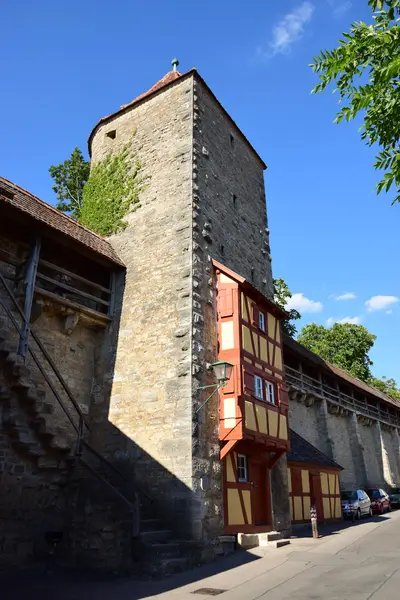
x: 259, y: 493
x: 316, y: 495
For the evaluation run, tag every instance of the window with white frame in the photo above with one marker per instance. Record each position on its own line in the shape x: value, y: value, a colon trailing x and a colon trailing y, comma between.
x: 258, y: 387
x: 242, y: 468
x: 270, y: 392
x: 261, y: 321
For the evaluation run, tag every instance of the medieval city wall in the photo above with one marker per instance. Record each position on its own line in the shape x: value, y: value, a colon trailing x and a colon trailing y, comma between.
x: 368, y: 451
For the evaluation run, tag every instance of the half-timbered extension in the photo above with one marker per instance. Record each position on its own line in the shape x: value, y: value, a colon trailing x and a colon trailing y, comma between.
x: 253, y: 404
x: 313, y: 480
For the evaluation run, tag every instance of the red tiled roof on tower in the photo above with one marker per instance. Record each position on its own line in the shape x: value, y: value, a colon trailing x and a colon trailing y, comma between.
x: 168, y: 78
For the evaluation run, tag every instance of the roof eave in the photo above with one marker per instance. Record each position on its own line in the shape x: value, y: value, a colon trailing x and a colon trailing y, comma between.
x: 140, y: 100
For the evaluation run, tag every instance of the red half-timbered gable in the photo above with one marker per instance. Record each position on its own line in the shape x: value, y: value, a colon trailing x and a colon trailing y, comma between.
x: 253, y: 403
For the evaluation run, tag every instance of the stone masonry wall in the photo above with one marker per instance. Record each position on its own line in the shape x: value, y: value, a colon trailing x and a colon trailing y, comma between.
x: 33, y: 492
x: 368, y: 451
x: 149, y: 410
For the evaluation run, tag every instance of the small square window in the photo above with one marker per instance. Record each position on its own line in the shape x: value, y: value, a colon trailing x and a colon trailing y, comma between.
x: 261, y: 321
x: 243, y: 474
x: 270, y: 392
x: 232, y: 139
x: 258, y: 387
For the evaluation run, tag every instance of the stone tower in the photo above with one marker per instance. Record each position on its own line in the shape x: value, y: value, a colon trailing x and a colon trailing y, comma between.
x: 205, y: 200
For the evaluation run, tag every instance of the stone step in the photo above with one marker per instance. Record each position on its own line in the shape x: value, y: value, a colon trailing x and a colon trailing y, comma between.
x: 60, y: 443
x: 14, y: 419
x: 43, y: 408
x: 270, y: 536
x: 169, y: 566
x: 278, y: 543
x: 157, y: 536
x: 147, y: 524
x: 35, y: 395
x: 165, y: 549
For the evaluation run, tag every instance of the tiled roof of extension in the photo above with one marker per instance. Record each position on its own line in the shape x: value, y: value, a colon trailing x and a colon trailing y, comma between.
x: 327, y: 366
x: 31, y: 205
x: 303, y: 452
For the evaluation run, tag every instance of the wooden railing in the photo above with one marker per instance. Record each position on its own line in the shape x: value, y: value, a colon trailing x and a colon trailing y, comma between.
x: 63, y: 287
x: 379, y: 412
x: 72, y: 290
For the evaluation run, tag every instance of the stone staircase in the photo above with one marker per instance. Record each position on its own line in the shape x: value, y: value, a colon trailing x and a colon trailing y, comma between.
x: 26, y: 414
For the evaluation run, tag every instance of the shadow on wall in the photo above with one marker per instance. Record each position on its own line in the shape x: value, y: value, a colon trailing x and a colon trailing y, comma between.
x: 64, y: 513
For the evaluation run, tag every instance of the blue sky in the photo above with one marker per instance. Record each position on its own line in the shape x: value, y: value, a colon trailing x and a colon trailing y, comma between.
x: 65, y: 64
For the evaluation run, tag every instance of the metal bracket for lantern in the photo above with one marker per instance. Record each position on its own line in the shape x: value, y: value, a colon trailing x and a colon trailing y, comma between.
x: 222, y: 371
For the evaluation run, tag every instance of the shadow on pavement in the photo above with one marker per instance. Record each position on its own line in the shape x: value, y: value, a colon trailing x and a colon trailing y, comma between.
x: 68, y: 585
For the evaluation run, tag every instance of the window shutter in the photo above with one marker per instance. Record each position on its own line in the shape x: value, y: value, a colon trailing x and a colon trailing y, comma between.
x: 256, y: 316
x: 225, y: 303
x: 283, y: 396
x: 249, y: 382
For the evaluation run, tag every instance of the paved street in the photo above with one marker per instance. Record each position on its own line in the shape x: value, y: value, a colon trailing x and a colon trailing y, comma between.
x: 358, y: 561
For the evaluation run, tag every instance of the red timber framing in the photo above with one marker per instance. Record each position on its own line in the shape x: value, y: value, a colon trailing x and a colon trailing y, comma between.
x: 253, y: 404
x: 314, y: 484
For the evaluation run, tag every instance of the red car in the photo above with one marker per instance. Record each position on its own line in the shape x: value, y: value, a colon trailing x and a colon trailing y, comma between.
x: 380, y: 502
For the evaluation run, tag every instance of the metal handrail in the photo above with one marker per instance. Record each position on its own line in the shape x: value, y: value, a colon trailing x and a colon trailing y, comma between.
x: 82, y: 421
x: 44, y: 352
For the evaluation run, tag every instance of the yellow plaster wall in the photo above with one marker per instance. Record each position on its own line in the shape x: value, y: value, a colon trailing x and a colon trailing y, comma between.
x: 229, y: 413
x: 227, y: 335
x: 273, y: 423
x: 235, y: 514
x: 261, y: 418
x: 283, y: 432
x: 298, y: 508
x: 246, y: 339
x: 327, y: 508
x: 305, y: 481
x: 278, y: 358
x: 250, y: 416
x: 247, y: 504
x: 230, y: 475
x: 307, y: 508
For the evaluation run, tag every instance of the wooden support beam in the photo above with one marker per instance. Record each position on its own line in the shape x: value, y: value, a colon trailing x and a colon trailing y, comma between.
x: 111, y: 307
x: 97, y: 316
x: 227, y: 448
x: 29, y: 284
x: 275, y: 459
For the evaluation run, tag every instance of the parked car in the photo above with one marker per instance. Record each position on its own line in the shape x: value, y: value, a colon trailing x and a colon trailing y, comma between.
x: 355, y: 504
x: 380, y: 502
x: 394, y: 497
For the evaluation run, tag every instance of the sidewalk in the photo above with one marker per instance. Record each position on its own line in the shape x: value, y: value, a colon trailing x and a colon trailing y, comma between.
x: 345, y: 558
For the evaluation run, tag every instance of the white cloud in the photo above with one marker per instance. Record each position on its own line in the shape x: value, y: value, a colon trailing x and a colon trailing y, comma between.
x: 339, y: 7
x: 389, y: 312
x: 346, y: 296
x: 380, y: 302
x: 290, y: 29
x: 353, y: 320
x: 303, y: 305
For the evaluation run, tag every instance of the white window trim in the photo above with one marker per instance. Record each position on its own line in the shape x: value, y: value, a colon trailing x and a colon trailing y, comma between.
x: 258, y: 388
x: 269, y: 387
x: 244, y: 479
x: 261, y: 321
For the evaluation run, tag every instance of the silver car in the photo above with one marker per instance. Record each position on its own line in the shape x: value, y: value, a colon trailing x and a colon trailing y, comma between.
x: 355, y: 504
